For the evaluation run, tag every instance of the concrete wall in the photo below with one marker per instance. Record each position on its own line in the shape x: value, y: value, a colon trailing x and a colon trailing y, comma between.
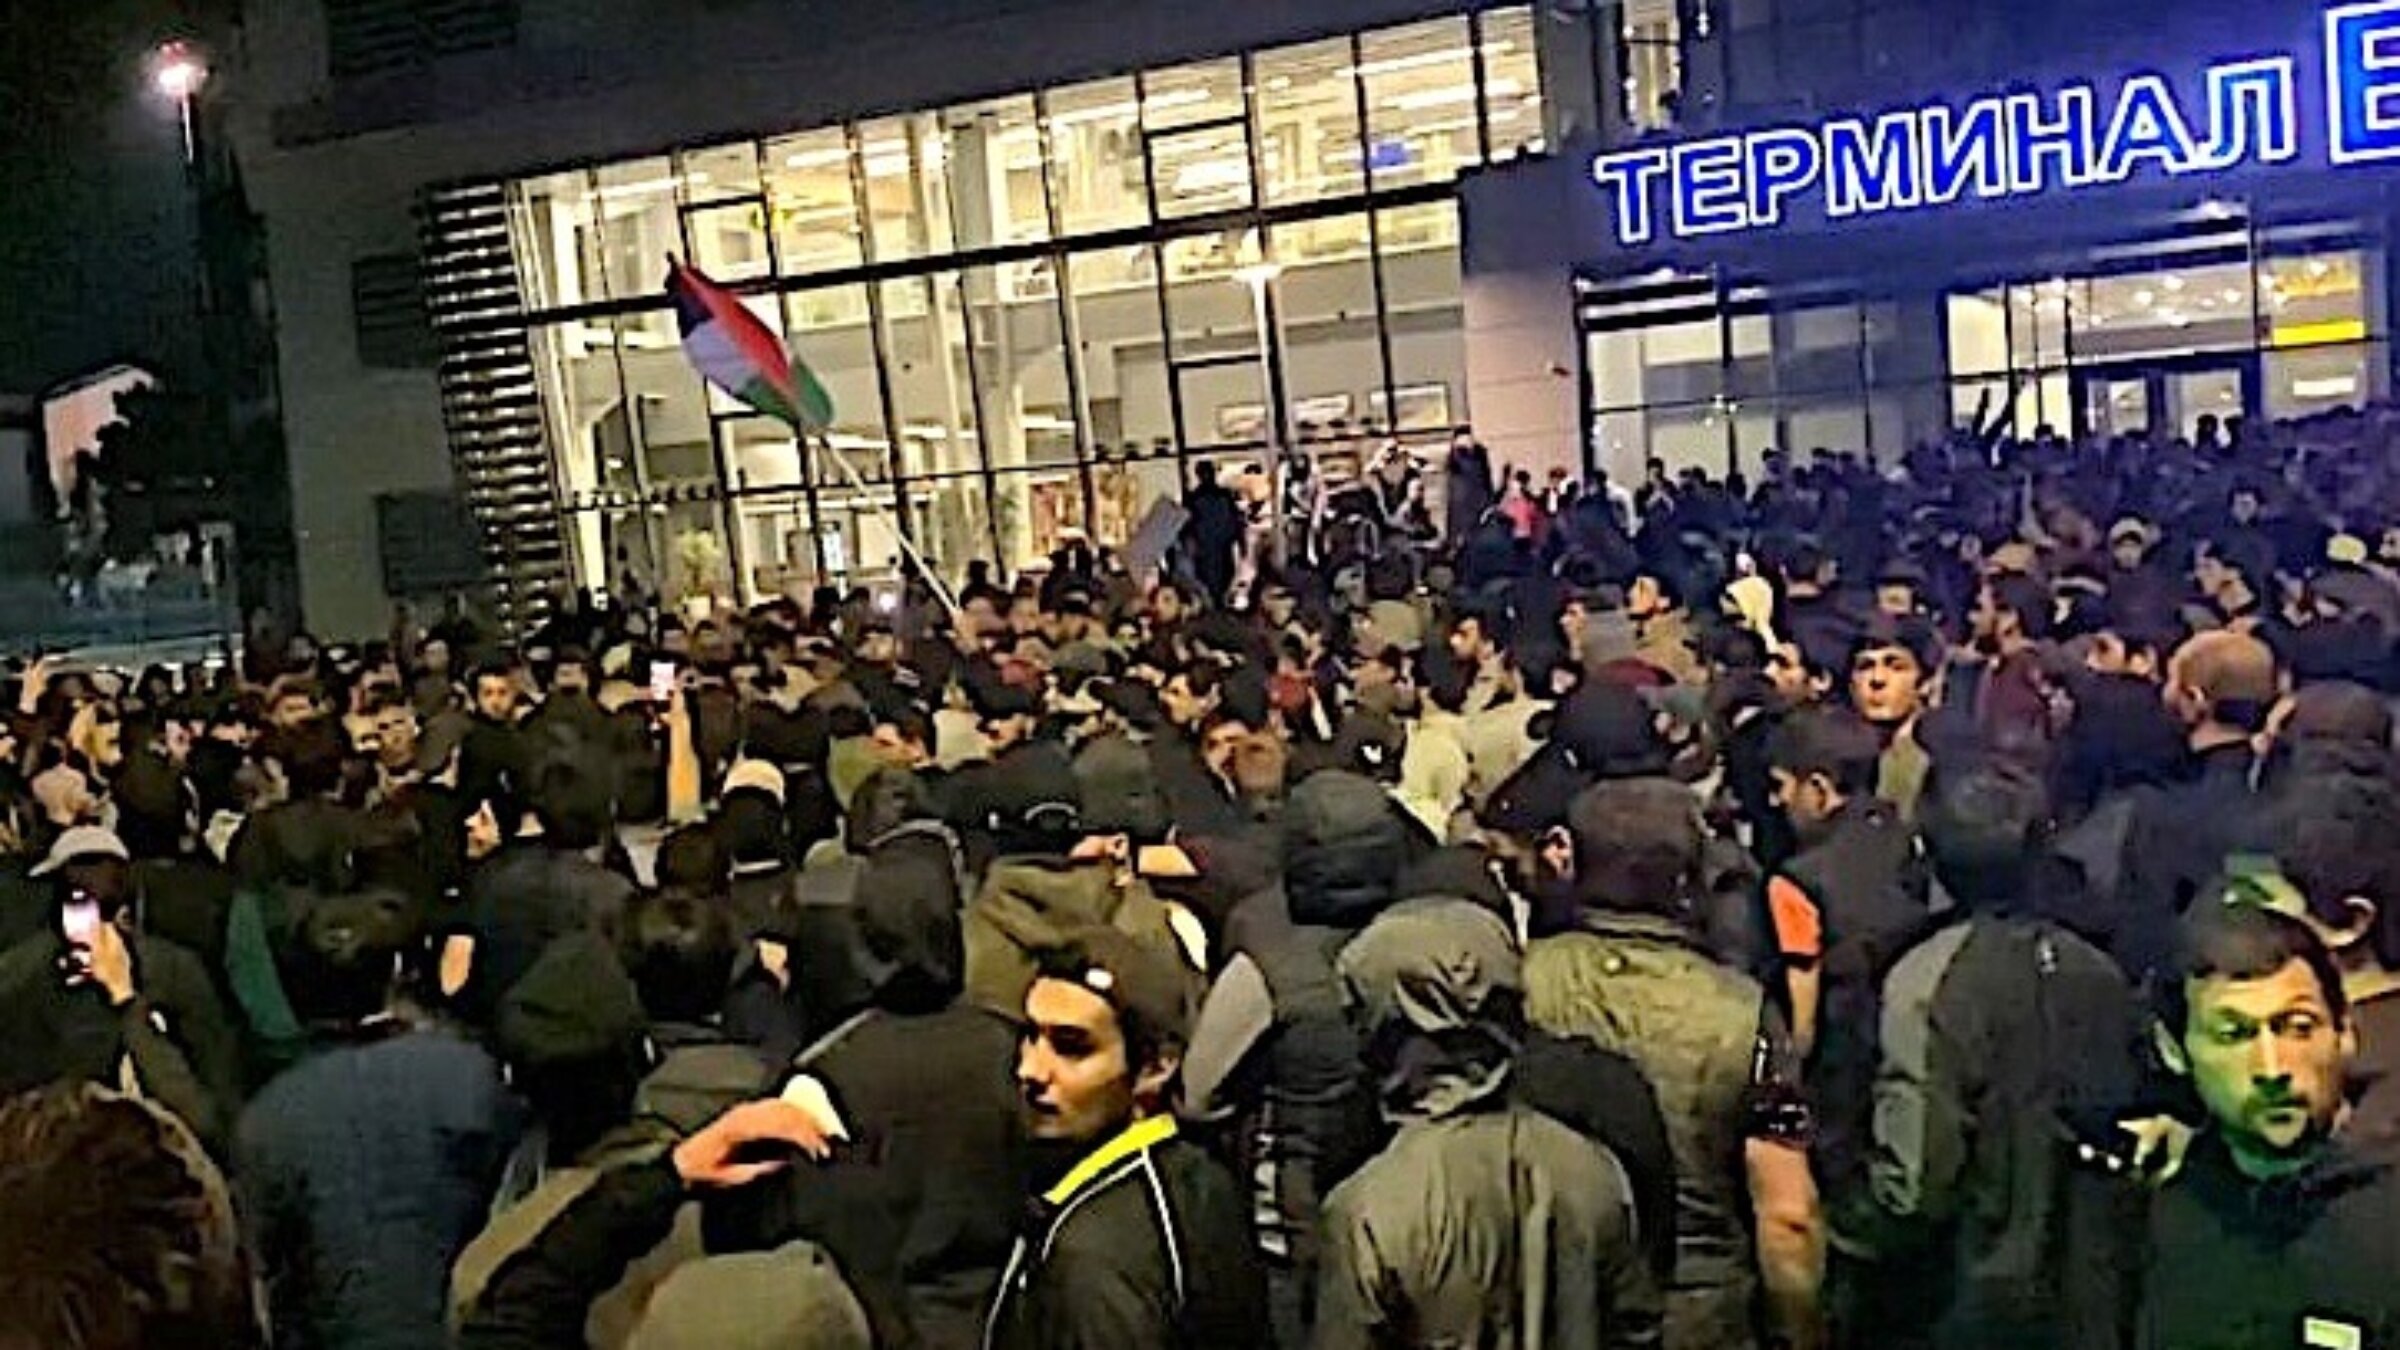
x: 1525, y: 227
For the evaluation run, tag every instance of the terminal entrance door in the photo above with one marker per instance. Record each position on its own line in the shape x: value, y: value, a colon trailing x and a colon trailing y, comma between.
x: 2168, y: 397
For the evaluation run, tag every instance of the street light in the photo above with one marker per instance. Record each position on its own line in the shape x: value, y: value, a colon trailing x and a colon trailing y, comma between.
x: 178, y: 70
x: 1258, y: 276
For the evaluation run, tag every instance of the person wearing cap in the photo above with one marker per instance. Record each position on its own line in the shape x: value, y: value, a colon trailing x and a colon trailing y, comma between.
x: 367, y: 1166
x: 1139, y: 1238
x: 1483, y: 1222
x: 1627, y: 971
x: 93, y: 997
x: 1064, y: 833
x: 1273, y: 1046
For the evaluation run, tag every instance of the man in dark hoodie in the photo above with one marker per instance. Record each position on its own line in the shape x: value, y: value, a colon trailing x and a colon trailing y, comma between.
x: 920, y: 1204
x: 536, y: 889
x: 367, y: 1167
x: 1485, y: 1222
x: 1065, y: 832
x: 1274, y: 1039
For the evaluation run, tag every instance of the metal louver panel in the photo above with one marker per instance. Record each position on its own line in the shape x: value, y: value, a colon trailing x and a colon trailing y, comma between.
x: 387, y: 308
x: 491, y: 407
x: 375, y: 37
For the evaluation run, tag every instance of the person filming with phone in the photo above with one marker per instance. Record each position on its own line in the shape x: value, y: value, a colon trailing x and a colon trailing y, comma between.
x: 93, y: 998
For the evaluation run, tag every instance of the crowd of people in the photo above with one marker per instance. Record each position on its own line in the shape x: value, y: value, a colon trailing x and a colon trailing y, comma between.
x: 1953, y: 903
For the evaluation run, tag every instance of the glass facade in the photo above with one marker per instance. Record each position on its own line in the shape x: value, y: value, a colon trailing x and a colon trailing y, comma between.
x: 1032, y: 312
x: 1699, y: 371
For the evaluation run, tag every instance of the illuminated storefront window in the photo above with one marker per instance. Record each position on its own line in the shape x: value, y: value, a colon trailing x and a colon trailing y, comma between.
x: 1067, y: 385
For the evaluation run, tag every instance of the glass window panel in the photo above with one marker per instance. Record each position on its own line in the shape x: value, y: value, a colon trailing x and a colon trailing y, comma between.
x: 2316, y: 299
x: 1204, y: 91
x: 720, y: 172
x: 669, y: 411
x: 1653, y: 36
x: 2151, y: 313
x: 1201, y: 170
x: 776, y: 547
x: 1308, y: 136
x: 2310, y: 380
x: 590, y: 429
x: 859, y: 518
x: 558, y: 241
x: 638, y: 226
x: 953, y: 520
x: 829, y: 330
x: 908, y: 204
x: 1124, y: 371
x: 1690, y: 437
x: 2038, y: 333
x: 1034, y: 509
x: 1978, y: 333
x: 1621, y: 444
x: 1755, y: 432
x: 1021, y: 364
x: 1124, y: 491
x: 994, y: 156
x: 1212, y: 309
x: 1512, y: 72
x: 1428, y: 326
x: 1223, y: 405
x: 1421, y: 102
x: 729, y: 243
x: 814, y: 205
x: 932, y: 388
x: 760, y: 452
x: 1096, y: 157
x: 699, y: 562
x: 1333, y: 362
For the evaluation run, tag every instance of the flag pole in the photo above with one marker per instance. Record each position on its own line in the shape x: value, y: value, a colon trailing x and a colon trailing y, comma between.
x: 941, y: 589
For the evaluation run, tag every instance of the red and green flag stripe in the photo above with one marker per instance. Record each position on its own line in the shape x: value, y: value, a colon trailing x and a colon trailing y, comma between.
x: 734, y: 350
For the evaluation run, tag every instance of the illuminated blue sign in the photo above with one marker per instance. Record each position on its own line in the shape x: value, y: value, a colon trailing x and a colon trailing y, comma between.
x: 2242, y: 112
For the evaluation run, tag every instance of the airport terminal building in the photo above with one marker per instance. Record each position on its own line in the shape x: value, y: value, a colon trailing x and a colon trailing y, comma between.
x: 1047, y: 255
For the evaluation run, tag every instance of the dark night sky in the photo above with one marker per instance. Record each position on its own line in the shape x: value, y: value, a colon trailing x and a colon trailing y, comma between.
x: 95, y: 253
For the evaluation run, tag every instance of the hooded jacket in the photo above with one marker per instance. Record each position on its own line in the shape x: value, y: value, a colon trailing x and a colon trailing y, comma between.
x: 921, y: 1204
x: 1483, y: 1223
x: 1275, y: 1035
x: 1031, y: 904
x: 700, y: 1075
x: 1141, y: 1244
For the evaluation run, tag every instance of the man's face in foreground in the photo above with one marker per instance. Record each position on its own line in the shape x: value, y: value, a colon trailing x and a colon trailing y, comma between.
x: 2267, y: 1058
x: 1072, y: 1068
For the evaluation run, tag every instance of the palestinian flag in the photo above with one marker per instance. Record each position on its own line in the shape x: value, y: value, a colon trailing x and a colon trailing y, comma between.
x: 734, y: 350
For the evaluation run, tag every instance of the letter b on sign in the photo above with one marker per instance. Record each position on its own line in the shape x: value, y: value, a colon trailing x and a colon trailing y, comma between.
x: 2362, y: 81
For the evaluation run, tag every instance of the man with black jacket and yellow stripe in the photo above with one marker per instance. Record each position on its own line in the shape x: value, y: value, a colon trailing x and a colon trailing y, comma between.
x: 1142, y: 1240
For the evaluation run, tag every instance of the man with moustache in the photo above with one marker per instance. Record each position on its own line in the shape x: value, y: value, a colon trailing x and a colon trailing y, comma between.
x: 2276, y: 1232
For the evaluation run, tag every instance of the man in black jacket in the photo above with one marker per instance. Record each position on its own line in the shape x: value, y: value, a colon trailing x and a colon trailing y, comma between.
x: 2277, y: 1232
x: 2000, y: 1034
x: 2221, y: 686
x: 1143, y: 1240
